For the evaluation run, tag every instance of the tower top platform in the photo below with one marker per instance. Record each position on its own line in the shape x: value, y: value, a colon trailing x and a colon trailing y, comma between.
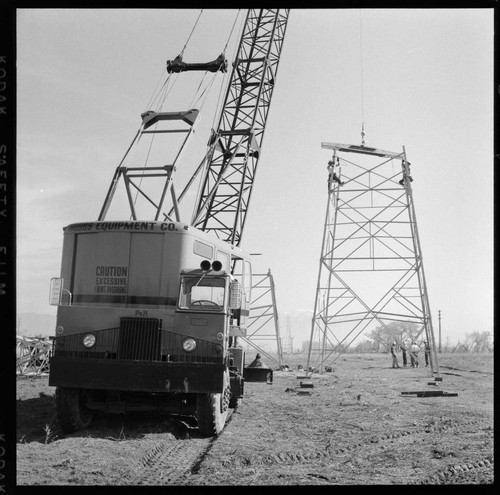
x: 353, y: 148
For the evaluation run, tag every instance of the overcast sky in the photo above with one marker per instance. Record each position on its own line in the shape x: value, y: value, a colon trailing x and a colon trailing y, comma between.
x: 422, y: 79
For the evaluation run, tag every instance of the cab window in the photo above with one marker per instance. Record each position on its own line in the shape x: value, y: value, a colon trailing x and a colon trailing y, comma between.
x: 202, y: 293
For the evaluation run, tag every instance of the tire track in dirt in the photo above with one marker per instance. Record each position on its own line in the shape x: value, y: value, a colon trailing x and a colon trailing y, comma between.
x: 464, y: 470
x: 378, y: 442
x: 167, y: 464
x: 171, y: 461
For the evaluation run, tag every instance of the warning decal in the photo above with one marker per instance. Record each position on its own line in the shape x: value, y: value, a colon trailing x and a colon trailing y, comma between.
x: 111, y: 279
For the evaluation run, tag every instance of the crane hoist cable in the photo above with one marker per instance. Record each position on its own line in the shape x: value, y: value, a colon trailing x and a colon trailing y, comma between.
x: 160, y: 95
x: 199, y: 92
x: 362, y: 79
x: 219, y: 98
x: 198, y: 95
x: 156, y: 92
x: 192, y: 31
x: 206, y: 90
x: 217, y: 111
x: 152, y: 98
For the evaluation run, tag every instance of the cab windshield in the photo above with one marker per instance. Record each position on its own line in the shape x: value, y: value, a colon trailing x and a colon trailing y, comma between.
x: 202, y: 293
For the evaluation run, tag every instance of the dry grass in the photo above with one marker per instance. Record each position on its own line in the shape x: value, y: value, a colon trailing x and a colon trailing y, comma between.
x: 353, y: 427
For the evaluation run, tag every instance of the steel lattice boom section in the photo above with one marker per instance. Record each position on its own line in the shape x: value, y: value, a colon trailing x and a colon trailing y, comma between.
x: 226, y: 188
x: 371, y: 270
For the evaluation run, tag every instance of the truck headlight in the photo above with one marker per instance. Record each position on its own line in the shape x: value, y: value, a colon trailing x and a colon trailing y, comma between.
x: 89, y: 340
x: 189, y: 344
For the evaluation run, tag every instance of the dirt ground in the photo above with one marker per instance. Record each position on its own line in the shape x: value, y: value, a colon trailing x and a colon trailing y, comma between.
x: 354, y: 426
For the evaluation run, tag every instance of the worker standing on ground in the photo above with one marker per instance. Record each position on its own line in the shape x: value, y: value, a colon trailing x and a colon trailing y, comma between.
x: 395, y: 363
x: 414, y: 354
x: 427, y: 351
x: 403, y: 352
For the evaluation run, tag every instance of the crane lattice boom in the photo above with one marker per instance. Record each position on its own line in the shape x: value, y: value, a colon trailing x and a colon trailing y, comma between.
x: 235, y: 146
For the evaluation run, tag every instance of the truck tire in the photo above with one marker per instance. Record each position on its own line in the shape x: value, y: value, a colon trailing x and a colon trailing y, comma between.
x: 211, y: 419
x: 72, y: 413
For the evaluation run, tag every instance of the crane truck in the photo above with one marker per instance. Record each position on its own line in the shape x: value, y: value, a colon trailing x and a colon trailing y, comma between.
x: 149, y: 311
x: 136, y: 329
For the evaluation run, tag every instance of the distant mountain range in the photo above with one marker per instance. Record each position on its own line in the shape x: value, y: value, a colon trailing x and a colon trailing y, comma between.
x: 34, y: 324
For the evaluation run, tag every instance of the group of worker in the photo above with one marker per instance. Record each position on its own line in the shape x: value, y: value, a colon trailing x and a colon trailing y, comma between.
x: 333, y: 177
x: 412, y: 349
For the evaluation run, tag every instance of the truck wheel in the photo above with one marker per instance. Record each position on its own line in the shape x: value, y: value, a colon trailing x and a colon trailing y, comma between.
x: 211, y: 419
x: 71, y: 410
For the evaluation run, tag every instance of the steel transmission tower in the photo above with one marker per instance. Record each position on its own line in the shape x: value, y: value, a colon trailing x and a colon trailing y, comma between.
x: 263, y: 323
x: 371, y: 272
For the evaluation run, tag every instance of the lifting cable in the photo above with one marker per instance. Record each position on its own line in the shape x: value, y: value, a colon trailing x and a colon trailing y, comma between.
x: 162, y: 93
x: 203, y: 163
x: 192, y: 31
x: 209, y: 86
x: 362, y: 81
x: 164, y: 88
x: 156, y: 91
x: 219, y: 98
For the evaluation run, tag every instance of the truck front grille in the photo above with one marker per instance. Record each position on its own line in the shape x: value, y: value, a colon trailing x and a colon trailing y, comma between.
x: 139, y: 339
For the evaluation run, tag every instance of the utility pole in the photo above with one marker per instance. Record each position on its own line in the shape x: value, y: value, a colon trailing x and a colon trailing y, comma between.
x: 439, y: 317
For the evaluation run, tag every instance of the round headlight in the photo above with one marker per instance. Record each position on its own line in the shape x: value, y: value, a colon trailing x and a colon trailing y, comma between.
x: 89, y: 340
x: 189, y: 344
